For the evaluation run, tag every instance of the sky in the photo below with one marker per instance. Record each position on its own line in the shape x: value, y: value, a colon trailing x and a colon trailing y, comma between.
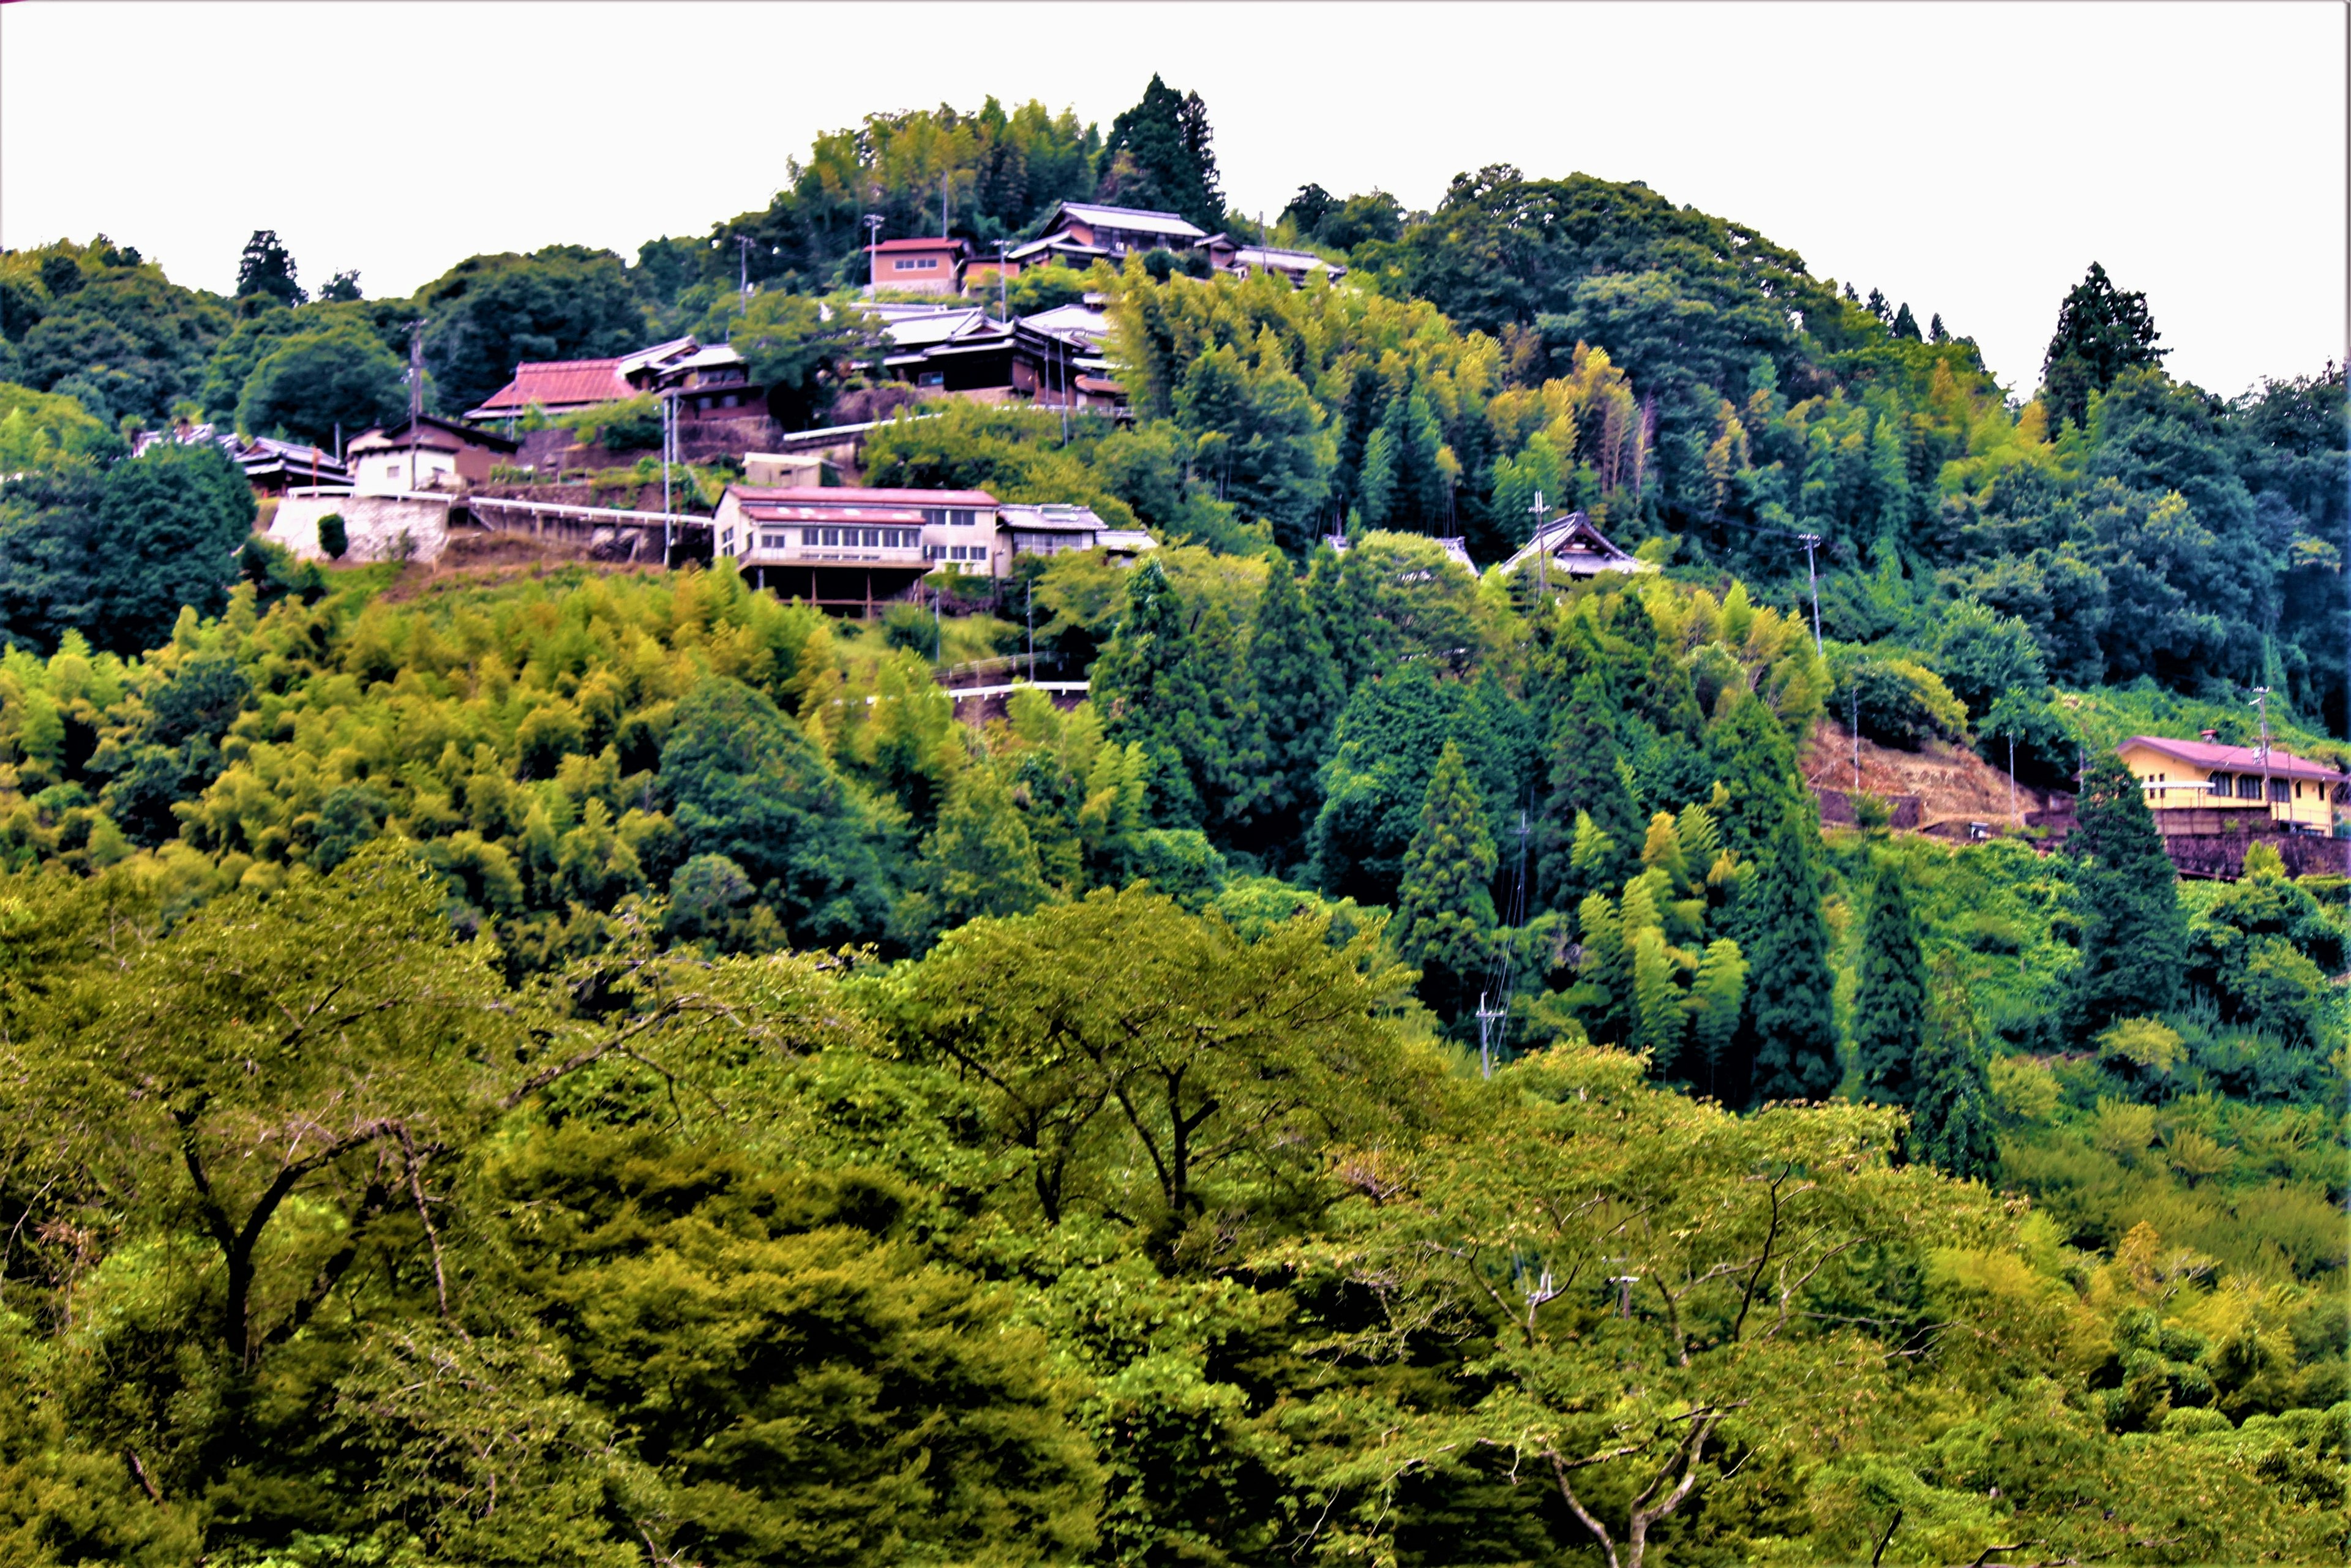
x: 1970, y: 159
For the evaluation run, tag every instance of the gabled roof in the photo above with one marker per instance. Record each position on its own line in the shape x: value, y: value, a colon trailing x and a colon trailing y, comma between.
x: 1135, y: 220
x: 1572, y: 541
x: 433, y: 435
x: 1055, y: 244
x: 2214, y: 757
x: 889, y: 246
x: 557, y: 384
x: 943, y: 327
x: 1072, y: 320
x: 659, y: 354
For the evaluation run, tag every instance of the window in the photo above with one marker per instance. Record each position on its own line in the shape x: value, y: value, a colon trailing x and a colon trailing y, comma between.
x: 931, y: 378
x: 950, y: 517
x: 2249, y: 787
x: 2220, y: 784
x: 730, y: 401
x: 872, y: 538
x: 832, y: 538
x: 2278, y: 790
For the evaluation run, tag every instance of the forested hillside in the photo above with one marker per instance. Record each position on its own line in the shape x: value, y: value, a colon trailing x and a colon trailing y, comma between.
x: 545, y: 1063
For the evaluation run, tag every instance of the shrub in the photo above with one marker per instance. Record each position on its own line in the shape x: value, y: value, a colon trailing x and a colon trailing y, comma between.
x: 911, y: 627
x: 334, y: 539
x: 1900, y: 702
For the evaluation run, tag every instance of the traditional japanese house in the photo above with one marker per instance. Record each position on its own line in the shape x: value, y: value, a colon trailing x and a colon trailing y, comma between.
x: 1568, y: 546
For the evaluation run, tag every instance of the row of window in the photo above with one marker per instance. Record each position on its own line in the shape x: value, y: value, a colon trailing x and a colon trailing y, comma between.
x: 916, y: 264
x: 954, y: 552
x: 2247, y: 787
x: 845, y: 538
x: 950, y: 517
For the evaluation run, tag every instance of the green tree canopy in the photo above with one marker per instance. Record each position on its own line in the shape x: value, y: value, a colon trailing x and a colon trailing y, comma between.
x: 2102, y: 331
x: 1157, y: 156
x: 2134, y: 937
x: 264, y: 272
x: 488, y: 313
x: 314, y: 384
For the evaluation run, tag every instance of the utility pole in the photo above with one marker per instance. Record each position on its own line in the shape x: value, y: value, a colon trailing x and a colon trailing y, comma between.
x: 873, y: 262
x: 743, y: 246
x: 945, y: 197
x: 1003, y: 293
x: 2011, y: 780
x: 2261, y: 704
x: 1812, y: 569
x: 1542, y: 554
x: 1487, y: 1017
x: 415, y: 392
x: 1032, y: 630
x: 669, y: 451
x: 1856, y: 737
x: 415, y: 374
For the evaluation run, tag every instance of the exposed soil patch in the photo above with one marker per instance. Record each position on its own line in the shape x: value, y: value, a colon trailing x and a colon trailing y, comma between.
x: 1951, y: 783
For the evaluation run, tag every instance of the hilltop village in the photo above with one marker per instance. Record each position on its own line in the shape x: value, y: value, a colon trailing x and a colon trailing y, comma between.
x: 1001, y: 866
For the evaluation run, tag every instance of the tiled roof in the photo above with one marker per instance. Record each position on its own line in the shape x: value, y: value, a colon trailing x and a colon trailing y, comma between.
x: 557, y: 383
x: 915, y: 331
x: 888, y: 245
x: 2209, y: 754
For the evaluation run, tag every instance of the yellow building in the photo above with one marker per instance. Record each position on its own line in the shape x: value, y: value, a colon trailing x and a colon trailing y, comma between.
x: 2203, y: 787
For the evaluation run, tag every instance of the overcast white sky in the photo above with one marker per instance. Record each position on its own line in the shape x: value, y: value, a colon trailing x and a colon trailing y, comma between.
x: 1970, y: 159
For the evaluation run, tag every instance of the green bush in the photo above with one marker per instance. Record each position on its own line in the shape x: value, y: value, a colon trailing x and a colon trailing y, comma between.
x: 1899, y: 702
x: 334, y: 539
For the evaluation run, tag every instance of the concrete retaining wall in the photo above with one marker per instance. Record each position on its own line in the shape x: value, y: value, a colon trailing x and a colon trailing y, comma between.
x: 380, y: 527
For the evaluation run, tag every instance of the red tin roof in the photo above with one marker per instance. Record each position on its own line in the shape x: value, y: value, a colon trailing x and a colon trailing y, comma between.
x: 2237, y: 758
x: 559, y: 384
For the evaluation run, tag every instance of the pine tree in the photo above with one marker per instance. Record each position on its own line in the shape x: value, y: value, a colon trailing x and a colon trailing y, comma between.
x: 1300, y: 691
x: 2134, y: 937
x: 1950, y: 1118
x: 1791, y: 1027
x: 1889, y: 1016
x: 1445, y: 913
x: 1904, y: 324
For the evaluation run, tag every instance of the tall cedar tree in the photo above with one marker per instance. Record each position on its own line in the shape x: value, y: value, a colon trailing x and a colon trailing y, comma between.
x: 1148, y: 687
x: 264, y: 272
x: 2102, y: 331
x: 1228, y: 754
x: 1951, y: 1117
x: 1300, y: 691
x: 1586, y: 749
x: 1384, y: 750
x: 1158, y: 156
x: 1445, y: 912
x: 1791, y: 1034
x: 2134, y: 937
x: 1889, y: 1009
